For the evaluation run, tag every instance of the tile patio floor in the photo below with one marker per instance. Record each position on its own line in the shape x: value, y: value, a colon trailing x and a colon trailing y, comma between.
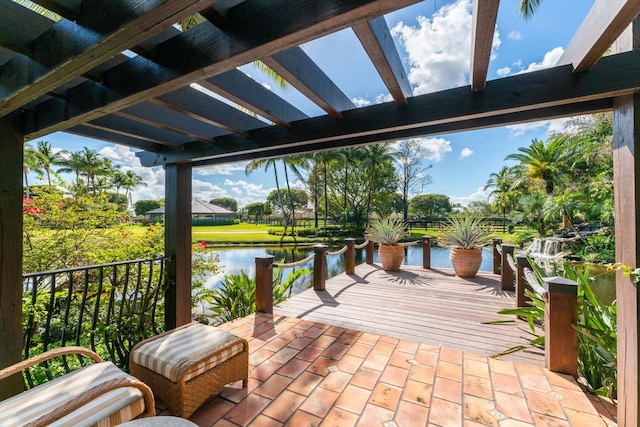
x: 304, y: 373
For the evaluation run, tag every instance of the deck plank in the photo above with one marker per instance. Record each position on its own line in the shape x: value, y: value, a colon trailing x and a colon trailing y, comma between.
x: 433, y: 307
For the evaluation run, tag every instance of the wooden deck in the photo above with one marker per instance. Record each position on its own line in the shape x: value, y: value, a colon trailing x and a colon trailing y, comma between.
x: 433, y: 307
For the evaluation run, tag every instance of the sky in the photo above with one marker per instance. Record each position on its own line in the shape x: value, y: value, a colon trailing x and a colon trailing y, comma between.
x: 433, y: 38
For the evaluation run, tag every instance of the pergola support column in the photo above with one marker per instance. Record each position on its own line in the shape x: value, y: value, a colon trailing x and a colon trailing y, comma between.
x: 178, y: 244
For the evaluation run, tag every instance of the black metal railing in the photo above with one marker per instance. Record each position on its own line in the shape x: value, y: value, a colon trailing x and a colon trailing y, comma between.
x: 107, y: 308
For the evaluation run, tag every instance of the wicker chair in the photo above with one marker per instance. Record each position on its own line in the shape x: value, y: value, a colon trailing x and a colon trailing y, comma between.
x: 99, y: 393
x: 186, y: 366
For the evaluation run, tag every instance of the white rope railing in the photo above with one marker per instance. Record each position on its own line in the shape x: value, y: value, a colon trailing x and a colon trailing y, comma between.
x: 362, y: 246
x: 408, y: 243
x: 512, y: 263
x: 338, y: 252
x: 295, y: 263
x: 532, y: 280
x: 499, y: 249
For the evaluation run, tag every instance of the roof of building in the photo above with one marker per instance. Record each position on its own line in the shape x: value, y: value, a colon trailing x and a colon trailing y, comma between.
x: 198, y: 207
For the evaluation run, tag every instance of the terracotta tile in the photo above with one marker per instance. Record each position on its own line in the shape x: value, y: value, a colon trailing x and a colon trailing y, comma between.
x: 336, y: 381
x: 513, y: 406
x: 339, y: 418
x: 349, y: 363
x: 310, y: 353
x: 335, y: 331
x: 514, y: 423
x: 418, y: 392
x: 576, y: 400
x: 247, y: 410
x: 547, y: 421
x: 262, y: 421
x: 294, y: 367
x: 476, y: 368
x: 353, y: 332
x: 212, y: 411
x: 235, y: 392
x: 451, y: 355
x: 375, y: 416
x: 265, y: 370
x: 400, y: 359
x: 301, y: 418
x: 429, y: 348
x: 320, y: 366
x: 384, y: 348
x: 319, y: 402
x: 347, y: 339
x: 479, y: 410
x: 284, y: 405
x: 502, y: 366
x: 391, y: 340
x: 375, y: 361
x: 544, y: 404
x: 407, y: 347
x: 534, y: 382
x: 314, y: 332
x: 523, y: 368
x: 300, y: 343
x: 284, y: 355
x: 353, y: 399
x: 410, y: 414
x: 323, y: 341
x: 448, y: 389
x: 449, y: 370
x: 473, y: 356
x: 422, y: 373
x: 305, y: 383
x: 273, y: 386
x: 426, y: 357
x: 224, y: 423
x: 367, y: 338
x: 335, y: 351
x: 360, y: 350
x: 506, y: 384
x: 366, y: 378
x: 259, y: 356
x: 394, y: 376
x: 386, y: 396
x: 561, y: 380
x: 578, y: 418
x: 275, y: 344
x: 479, y: 387
x: 444, y: 413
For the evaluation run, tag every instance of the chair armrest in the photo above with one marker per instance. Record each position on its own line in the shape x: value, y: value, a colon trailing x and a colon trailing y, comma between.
x: 56, y: 352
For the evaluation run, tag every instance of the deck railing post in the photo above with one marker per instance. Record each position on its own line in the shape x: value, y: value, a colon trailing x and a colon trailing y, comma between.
x: 350, y: 256
x: 506, y: 281
x: 522, y: 262
x: 319, y: 267
x: 560, y: 316
x: 264, y: 283
x: 369, y: 251
x: 426, y: 252
x: 497, y: 258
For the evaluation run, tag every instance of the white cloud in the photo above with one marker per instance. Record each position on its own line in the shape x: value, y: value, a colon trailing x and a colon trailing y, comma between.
x: 383, y: 97
x: 466, y: 152
x: 515, y: 35
x: 503, y: 72
x: 266, y: 85
x: 236, y: 190
x: 120, y: 154
x: 434, y: 149
x: 360, y: 102
x: 439, y: 48
x: 206, y: 191
x: 550, y: 126
x: 550, y: 59
x: 254, y: 190
x: 480, y: 194
x: 226, y: 169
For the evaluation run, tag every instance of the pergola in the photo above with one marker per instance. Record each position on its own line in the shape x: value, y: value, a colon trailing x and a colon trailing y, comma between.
x: 119, y: 71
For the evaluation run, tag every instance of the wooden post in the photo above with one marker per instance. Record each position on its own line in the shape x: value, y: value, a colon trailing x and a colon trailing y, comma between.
x: 350, y: 256
x: 264, y: 283
x: 560, y: 316
x: 506, y: 281
x: 369, y: 251
x: 178, y: 244
x: 522, y: 262
x: 11, y: 161
x: 426, y: 252
x: 497, y: 258
x: 319, y: 267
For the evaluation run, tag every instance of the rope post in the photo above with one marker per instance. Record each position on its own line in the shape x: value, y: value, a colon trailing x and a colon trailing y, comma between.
x: 319, y: 267
x: 426, y: 252
x: 264, y: 283
x: 369, y: 251
x: 522, y: 262
x: 560, y: 316
x: 506, y: 281
x: 350, y: 256
x: 497, y: 258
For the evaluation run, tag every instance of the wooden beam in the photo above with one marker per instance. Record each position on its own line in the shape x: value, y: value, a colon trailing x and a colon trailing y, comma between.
x: 126, y: 127
x: 301, y: 72
x: 178, y: 193
x: 70, y: 9
x: 116, y: 138
x: 19, y: 26
x: 70, y: 48
x: 556, y: 87
x: 261, y: 28
x: 604, y: 23
x: 237, y: 87
x: 378, y: 43
x: 11, y: 156
x: 485, y: 14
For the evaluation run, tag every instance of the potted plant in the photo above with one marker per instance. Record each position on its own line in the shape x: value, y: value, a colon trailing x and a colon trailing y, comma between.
x: 387, y: 233
x: 466, y: 236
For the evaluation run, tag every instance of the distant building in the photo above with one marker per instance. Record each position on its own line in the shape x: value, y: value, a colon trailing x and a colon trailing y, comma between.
x: 201, y: 211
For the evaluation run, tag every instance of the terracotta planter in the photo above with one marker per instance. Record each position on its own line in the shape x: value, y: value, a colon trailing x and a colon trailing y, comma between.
x: 466, y: 262
x: 391, y: 257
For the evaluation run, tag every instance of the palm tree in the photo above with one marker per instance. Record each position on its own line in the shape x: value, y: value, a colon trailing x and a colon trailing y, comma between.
x: 528, y: 8
x: 32, y: 162
x: 72, y: 164
x: 324, y: 157
x: 372, y: 156
x: 533, y: 210
x: 131, y: 180
x: 502, y: 184
x: 50, y: 158
x: 90, y: 164
x: 256, y: 164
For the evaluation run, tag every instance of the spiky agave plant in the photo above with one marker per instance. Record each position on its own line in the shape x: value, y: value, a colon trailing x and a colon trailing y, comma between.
x: 387, y: 231
x: 466, y: 232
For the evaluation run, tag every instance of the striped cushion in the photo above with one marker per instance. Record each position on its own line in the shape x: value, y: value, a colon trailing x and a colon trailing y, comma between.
x: 112, y: 408
x: 176, y: 353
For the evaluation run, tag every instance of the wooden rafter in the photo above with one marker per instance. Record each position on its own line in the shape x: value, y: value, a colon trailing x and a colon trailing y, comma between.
x: 116, y: 138
x: 378, y: 43
x: 124, y: 126
x: 604, y: 23
x: 485, y: 14
x: 70, y: 9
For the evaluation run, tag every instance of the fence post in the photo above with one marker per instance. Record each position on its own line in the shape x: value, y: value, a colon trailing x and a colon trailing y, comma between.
x: 369, y: 251
x: 264, y: 283
x: 350, y: 256
x: 426, y: 252
x: 560, y: 316
x: 319, y: 267
x: 497, y: 258
x: 522, y: 262
x: 505, y: 269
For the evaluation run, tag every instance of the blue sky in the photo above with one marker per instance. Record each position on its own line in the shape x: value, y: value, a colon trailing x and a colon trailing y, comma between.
x: 435, y: 58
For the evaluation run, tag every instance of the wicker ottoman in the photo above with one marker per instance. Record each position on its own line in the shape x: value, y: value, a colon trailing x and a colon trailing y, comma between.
x: 186, y: 366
